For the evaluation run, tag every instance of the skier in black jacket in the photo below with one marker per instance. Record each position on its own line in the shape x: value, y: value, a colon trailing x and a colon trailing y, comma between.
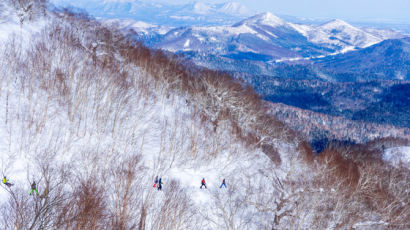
x: 160, y: 184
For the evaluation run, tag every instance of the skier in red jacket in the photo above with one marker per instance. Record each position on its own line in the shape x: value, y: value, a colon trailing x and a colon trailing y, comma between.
x: 203, y: 183
x: 156, y: 182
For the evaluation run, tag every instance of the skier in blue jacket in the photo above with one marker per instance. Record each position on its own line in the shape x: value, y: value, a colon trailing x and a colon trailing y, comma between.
x: 223, y: 183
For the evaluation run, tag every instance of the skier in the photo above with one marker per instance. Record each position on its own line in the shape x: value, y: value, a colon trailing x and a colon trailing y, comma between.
x: 34, y: 188
x: 203, y: 183
x: 156, y: 182
x: 6, y: 182
x: 160, y: 184
x: 223, y: 183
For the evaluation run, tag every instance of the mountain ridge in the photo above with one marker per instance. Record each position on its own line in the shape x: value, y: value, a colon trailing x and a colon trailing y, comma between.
x: 259, y: 32
x: 266, y: 18
x: 389, y: 59
x: 163, y: 14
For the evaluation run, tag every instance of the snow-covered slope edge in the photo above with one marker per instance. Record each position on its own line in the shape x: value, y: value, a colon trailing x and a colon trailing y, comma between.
x: 93, y: 118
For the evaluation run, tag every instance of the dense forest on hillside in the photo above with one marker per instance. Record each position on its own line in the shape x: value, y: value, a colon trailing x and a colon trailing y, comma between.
x: 382, y: 102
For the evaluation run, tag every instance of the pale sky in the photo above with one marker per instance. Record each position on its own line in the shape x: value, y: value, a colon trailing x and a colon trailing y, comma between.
x: 353, y: 10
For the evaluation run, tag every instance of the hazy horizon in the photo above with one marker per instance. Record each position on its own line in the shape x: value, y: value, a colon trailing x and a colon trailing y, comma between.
x: 395, y: 11
x: 391, y: 15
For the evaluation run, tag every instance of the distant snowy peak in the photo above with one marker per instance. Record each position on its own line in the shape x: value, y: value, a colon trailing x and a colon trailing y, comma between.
x: 136, y: 26
x: 263, y: 19
x: 228, y: 8
x: 336, y: 23
x: 201, y: 8
x: 339, y: 27
x: 234, y: 8
x: 340, y: 33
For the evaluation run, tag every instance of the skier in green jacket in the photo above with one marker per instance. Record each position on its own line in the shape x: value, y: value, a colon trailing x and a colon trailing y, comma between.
x: 33, y: 188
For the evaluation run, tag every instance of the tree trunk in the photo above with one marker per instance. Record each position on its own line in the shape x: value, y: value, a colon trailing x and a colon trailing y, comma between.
x: 143, y: 217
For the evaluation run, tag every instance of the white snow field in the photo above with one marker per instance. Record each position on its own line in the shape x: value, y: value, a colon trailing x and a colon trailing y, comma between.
x: 398, y: 156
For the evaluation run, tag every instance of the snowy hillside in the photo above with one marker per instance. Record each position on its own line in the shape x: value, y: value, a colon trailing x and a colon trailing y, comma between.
x: 75, y: 116
x: 267, y: 19
x: 92, y: 118
x: 389, y: 59
x: 344, y: 33
x: 384, y: 34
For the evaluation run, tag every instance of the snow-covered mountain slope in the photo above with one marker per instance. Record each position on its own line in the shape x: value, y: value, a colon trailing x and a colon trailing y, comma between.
x: 267, y: 19
x: 93, y: 118
x: 340, y: 31
x: 164, y: 14
x: 76, y: 115
x: 389, y: 59
x: 384, y: 34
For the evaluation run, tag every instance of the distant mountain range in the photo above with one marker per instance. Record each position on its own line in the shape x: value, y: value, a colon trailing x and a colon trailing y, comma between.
x: 260, y: 43
x: 269, y: 36
x: 225, y: 36
x: 163, y: 14
x: 263, y: 37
